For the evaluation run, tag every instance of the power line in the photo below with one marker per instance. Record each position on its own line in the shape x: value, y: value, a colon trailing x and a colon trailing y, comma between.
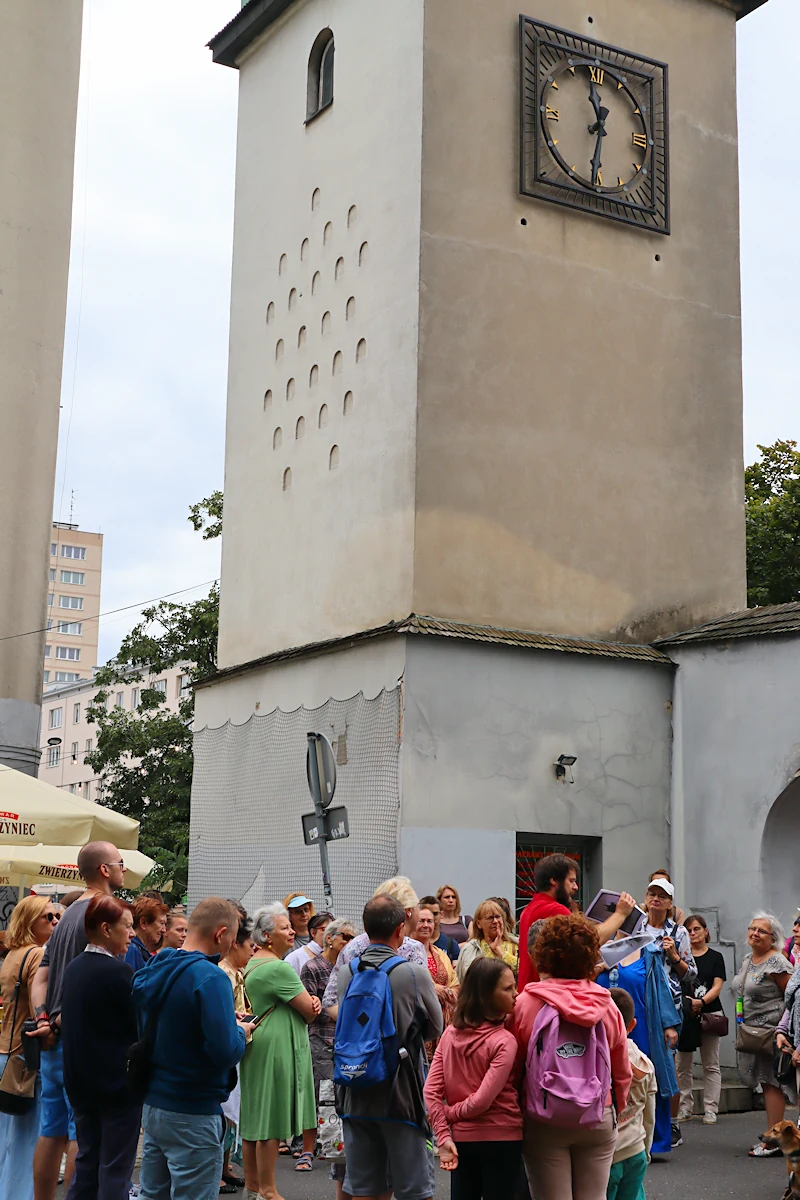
x: 126, y: 608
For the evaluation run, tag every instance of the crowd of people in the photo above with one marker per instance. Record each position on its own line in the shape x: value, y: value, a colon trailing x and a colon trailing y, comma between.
x: 547, y: 1060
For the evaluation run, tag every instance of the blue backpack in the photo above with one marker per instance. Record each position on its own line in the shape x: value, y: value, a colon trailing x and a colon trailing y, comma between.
x: 365, y: 1050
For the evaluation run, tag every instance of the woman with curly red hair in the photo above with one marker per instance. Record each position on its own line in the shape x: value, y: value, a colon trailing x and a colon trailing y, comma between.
x: 570, y: 1159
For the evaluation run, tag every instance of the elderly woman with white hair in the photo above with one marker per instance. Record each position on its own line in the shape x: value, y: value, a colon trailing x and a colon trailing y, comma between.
x: 277, y: 1078
x: 760, y: 986
x: 400, y: 889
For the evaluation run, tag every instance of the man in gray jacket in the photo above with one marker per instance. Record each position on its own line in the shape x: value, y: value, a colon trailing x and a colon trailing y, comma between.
x: 386, y: 1135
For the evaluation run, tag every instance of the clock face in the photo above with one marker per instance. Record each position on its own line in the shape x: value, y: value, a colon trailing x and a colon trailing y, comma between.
x: 594, y: 127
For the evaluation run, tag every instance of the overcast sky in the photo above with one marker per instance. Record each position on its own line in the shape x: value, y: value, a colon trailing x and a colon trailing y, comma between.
x: 143, y: 397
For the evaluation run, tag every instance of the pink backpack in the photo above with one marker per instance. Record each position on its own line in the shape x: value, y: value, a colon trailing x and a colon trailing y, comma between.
x: 568, y: 1075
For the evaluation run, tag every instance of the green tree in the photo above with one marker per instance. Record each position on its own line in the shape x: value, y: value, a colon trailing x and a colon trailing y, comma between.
x: 144, y: 758
x: 772, y: 511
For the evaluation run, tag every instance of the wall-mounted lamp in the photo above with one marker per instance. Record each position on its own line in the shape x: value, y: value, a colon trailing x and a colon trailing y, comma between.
x: 563, y: 765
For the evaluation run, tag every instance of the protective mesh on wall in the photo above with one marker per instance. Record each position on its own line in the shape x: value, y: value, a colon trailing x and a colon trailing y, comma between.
x: 250, y: 790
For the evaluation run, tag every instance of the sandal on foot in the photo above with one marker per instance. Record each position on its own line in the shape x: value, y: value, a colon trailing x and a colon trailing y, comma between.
x: 234, y: 1180
x: 305, y: 1162
x: 227, y: 1189
x: 284, y: 1148
x: 761, y: 1151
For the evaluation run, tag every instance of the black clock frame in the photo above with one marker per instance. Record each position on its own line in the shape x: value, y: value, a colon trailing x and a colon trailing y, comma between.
x: 543, y: 48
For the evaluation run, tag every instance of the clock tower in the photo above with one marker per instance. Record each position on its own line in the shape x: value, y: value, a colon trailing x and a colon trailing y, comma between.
x: 485, y: 369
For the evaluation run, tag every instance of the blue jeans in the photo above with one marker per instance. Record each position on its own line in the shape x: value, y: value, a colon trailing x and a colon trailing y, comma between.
x: 18, y: 1138
x: 181, y: 1156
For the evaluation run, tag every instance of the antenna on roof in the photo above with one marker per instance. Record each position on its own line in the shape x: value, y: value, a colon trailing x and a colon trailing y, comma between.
x: 71, y: 504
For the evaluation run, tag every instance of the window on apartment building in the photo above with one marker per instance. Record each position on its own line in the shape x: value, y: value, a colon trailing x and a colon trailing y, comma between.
x: 70, y: 601
x: 76, y: 714
x: 76, y: 577
x: 50, y: 598
x: 47, y: 651
x: 160, y: 685
x: 73, y: 627
x: 69, y: 652
x: 135, y: 697
x: 74, y: 752
x: 54, y: 721
x: 47, y: 676
x: 66, y: 676
x: 53, y: 549
x: 49, y: 624
x: 88, y: 749
x: 52, y: 574
x: 319, y: 93
x: 73, y: 788
x: 120, y: 700
x: 53, y: 756
x: 87, y: 790
x: 183, y: 686
x: 73, y: 552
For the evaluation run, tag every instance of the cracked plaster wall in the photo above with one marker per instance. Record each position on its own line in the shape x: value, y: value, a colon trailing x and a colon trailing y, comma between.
x: 483, y: 726
x: 737, y: 750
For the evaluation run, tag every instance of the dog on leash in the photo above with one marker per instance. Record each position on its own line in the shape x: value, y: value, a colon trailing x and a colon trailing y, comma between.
x: 785, y: 1136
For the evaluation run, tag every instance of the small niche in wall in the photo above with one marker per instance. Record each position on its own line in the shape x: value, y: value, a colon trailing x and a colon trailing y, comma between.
x: 339, y: 271
x: 267, y: 399
x: 347, y: 407
x: 350, y: 310
x: 287, y: 479
x: 328, y: 233
x: 326, y: 323
x: 313, y: 376
x: 338, y: 360
x: 352, y: 216
x: 363, y: 254
x: 315, y: 282
x: 270, y: 313
x: 277, y: 438
x: 333, y: 458
x: 322, y: 419
x: 316, y: 198
x: 290, y: 389
x: 283, y: 264
x: 304, y: 245
x: 279, y: 348
x: 361, y: 350
x: 300, y: 428
x: 292, y: 299
x: 302, y: 337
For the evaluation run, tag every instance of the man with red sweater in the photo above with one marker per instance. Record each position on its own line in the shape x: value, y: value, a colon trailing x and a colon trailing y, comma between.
x: 555, y: 880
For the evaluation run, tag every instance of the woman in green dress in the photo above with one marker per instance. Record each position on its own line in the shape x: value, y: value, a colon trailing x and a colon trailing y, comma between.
x: 276, y: 1073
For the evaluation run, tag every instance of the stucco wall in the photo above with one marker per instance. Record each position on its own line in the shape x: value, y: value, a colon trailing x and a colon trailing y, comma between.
x: 483, y: 727
x: 579, y: 462
x: 738, y: 739
x: 39, y: 66
x: 333, y: 553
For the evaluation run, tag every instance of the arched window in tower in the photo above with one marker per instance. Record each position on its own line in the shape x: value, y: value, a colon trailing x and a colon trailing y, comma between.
x: 320, y: 75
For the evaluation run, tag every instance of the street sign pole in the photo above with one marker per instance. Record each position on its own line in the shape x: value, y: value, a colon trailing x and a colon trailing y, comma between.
x: 315, y: 774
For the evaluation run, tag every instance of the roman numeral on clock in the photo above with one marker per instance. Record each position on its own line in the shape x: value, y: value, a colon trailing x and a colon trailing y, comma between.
x: 640, y: 140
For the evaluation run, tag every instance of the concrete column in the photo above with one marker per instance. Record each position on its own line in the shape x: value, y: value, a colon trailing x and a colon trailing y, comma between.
x: 40, y: 43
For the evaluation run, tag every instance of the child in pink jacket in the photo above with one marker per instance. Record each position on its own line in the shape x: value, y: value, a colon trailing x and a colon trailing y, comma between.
x: 471, y: 1092
x: 572, y: 1164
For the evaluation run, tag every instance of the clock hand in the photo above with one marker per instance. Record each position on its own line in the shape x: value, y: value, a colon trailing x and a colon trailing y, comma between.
x: 596, y: 163
x: 600, y: 111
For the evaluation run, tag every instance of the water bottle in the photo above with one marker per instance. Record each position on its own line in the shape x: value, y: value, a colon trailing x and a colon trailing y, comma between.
x: 739, y: 1010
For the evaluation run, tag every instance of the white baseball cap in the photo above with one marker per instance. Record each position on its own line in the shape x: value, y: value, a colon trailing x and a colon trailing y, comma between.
x: 664, y: 884
x: 299, y: 901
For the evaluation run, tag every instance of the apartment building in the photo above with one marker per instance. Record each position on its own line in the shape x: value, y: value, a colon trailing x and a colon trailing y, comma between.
x: 73, y: 604
x: 65, y: 737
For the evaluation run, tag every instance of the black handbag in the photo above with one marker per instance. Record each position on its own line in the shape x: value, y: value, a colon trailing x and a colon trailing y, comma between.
x: 17, y: 1082
x: 783, y: 1067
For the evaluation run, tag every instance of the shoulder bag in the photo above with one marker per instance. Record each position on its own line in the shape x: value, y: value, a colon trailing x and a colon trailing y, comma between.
x: 715, y: 1024
x: 18, y: 1082
x: 753, y: 1039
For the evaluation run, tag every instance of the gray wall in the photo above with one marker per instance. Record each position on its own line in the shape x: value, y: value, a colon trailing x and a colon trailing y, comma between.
x: 483, y: 727
x: 737, y: 748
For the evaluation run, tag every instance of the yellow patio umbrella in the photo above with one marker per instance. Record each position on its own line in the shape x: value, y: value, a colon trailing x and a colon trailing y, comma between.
x: 34, y: 813
x: 25, y: 866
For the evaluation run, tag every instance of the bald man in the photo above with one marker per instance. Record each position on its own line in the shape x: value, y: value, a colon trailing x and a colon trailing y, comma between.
x: 100, y: 865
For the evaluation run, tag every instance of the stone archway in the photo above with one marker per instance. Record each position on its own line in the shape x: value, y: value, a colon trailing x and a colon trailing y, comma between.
x: 780, y: 845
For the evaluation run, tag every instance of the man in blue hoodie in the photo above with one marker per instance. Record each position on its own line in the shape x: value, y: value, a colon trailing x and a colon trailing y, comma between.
x: 198, y: 1042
